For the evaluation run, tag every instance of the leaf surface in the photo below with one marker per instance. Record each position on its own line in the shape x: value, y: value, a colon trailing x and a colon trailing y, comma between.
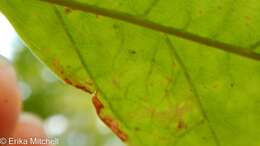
x: 155, y: 87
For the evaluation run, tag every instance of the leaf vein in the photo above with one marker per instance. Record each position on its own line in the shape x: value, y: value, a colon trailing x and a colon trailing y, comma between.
x: 156, y: 27
x: 85, y: 67
x: 193, y: 89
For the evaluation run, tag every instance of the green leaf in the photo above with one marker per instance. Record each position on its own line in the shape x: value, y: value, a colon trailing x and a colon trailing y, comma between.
x: 169, y: 72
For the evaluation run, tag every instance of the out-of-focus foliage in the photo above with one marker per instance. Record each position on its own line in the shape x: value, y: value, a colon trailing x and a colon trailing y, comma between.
x: 59, y: 104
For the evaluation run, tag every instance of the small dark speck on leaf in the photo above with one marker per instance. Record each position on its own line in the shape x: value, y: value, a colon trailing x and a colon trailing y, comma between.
x: 67, y: 10
x: 137, y: 129
x: 181, y: 125
x: 132, y: 51
x: 232, y: 85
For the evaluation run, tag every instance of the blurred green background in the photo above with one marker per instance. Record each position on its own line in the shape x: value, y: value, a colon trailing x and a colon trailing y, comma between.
x: 67, y: 112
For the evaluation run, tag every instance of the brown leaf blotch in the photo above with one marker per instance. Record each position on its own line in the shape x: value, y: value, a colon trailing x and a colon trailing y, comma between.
x: 82, y: 87
x: 68, y: 81
x: 112, y: 124
x: 59, y: 69
x: 114, y: 127
x: 97, y: 103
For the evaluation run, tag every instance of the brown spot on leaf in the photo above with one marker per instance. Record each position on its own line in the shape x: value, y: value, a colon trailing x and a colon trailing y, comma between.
x: 137, y: 129
x: 112, y: 124
x: 82, y: 87
x: 62, y: 72
x: 181, y: 125
x: 97, y: 103
x: 181, y: 110
x: 67, y: 81
x: 132, y: 51
x: 67, y: 10
x: 114, y: 127
x: 77, y: 85
x: 59, y: 69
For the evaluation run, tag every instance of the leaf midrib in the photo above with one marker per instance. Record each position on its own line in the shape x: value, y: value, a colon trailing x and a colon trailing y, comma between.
x: 118, y: 15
